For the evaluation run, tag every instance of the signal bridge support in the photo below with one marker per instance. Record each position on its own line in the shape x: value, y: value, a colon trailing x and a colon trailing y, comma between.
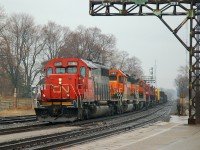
x: 189, y: 9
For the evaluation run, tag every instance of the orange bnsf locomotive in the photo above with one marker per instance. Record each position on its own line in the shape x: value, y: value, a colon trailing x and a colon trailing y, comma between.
x: 76, y: 89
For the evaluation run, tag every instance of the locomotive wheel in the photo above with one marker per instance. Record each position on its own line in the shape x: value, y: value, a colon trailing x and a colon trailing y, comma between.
x: 80, y: 114
x: 119, y: 109
x: 112, y: 111
x: 86, y: 114
x: 146, y: 105
x: 137, y: 107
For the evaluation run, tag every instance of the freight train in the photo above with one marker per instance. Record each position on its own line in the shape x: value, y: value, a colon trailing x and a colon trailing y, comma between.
x: 77, y: 89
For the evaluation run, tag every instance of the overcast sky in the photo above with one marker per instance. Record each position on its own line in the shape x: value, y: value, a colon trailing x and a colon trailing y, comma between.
x: 144, y: 37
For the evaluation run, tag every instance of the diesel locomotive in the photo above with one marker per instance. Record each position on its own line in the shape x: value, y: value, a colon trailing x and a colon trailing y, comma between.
x: 76, y: 89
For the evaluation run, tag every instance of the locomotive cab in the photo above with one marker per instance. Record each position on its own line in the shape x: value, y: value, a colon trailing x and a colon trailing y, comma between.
x: 117, y: 83
x: 66, y: 84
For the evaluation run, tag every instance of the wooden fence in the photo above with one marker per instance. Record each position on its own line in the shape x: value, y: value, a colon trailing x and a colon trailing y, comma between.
x: 7, y: 103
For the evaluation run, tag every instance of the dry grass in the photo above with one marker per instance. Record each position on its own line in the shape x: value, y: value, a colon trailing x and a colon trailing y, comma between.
x: 17, y: 112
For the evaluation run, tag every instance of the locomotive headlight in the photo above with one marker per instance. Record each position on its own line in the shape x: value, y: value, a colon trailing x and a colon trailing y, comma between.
x: 67, y: 95
x: 60, y: 80
x: 44, y: 95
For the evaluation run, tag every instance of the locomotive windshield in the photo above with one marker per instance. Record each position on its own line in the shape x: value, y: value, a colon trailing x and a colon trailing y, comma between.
x: 49, y: 71
x: 121, y: 79
x: 83, y: 71
x: 60, y: 70
x: 71, y: 70
x: 112, y: 78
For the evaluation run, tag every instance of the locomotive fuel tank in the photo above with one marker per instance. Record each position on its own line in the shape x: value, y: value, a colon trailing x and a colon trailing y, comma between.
x: 97, y: 111
x: 129, y: 108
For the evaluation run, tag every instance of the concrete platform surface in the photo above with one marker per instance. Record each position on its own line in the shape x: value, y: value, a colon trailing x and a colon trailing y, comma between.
x: 173, y: 135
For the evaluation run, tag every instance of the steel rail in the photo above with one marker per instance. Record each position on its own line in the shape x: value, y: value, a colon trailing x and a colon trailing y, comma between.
x: 16, y: 119
x: 38, y: 126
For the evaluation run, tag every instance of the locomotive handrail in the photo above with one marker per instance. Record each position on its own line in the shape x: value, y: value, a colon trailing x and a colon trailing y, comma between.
x: 118, y: 93
x: 79, y: 94
x: 74, y: 91
x: 38, y: 103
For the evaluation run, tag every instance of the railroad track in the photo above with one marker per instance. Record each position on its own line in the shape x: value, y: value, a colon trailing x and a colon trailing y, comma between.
x: 24, y: 128
x: 91, y: 132
x: 40, y: 126
x: 17, y: 119
x: 44, y: 125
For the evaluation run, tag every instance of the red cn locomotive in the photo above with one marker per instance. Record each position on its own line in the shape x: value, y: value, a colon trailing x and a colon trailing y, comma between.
x: 73, y: 89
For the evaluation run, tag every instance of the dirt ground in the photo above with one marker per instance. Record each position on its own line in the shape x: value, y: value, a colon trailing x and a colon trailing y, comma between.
x: 17, y: 112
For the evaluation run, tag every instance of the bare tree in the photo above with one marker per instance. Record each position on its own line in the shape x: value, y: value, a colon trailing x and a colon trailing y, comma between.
x: 32, y: 59
x: 113, y: 62
x: 123, y: 55
x: 82, y: 43
x: 133, y: 67
x: 107, y: 44
x: 89, y: 43
x: 181, y: 82
x: 2, y: 19
x: 14, y: 39
x: 93, y: 46
x: 21, y: 46
x: 73, y: 46
x: 55, y: 37
x: 2, y: 71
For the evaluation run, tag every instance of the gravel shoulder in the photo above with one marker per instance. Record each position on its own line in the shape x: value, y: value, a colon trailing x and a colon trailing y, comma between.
x: 16, y: 112
x: 24, y: 135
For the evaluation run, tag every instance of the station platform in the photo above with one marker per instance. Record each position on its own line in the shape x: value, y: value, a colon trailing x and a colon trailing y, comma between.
x: 173, y: 135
